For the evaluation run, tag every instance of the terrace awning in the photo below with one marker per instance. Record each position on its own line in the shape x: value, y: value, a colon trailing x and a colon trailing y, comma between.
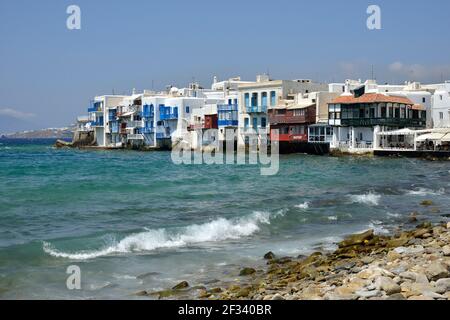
x: 402, y: 132
x: 446, y: 138
x: 430, y: 136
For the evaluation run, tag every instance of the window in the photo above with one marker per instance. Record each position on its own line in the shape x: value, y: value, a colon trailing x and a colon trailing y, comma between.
x: 187, y: 109
x: 273, y: 98
x: 299, y: 112
x: 246, y: 122
x: 254, y: 99
x: 264, y: 99
x: 247, y: 99
x: 441, y: 115
x: 281, y: 111
x: 263, y: 122
x: 235, y: 102
x: 424, y: 100
x: 255, y: 123
x: 229, y: 102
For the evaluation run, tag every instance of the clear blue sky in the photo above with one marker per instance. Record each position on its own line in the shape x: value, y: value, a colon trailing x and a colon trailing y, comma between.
x: 48, y: 73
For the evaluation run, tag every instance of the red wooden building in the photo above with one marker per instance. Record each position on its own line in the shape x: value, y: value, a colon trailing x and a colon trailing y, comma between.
x: 292, y: 122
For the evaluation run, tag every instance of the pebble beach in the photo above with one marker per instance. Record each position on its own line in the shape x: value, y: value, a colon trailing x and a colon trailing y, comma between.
x: 412, y: 265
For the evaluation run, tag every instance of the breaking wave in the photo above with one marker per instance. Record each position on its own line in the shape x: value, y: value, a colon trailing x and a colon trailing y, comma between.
x: 426, y: 192
x: 368, y: 198
x: 152, y: 239
x: 304, y: 206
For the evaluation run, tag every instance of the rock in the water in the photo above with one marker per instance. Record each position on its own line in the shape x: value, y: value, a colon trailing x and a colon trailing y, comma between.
x: 247, y: 272
x: 356, y: 239
x: 181, y: 285
x: 269, y: 255
x: 388, y: 285
x: 426, y: 203
x: 141, y: 293
x: 436, y: 271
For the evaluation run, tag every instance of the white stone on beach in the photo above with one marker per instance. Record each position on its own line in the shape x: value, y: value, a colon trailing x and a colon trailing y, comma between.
x: 436, y: 271
x: 442, y: 285
x: 446, y: 250
x: 388, y: 285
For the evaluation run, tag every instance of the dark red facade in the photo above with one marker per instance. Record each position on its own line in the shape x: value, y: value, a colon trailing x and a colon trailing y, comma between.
x: 292, y: 124
x: 211, y: 121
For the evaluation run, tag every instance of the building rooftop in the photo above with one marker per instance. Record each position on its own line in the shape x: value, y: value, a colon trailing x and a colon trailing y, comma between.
x: 372, y: 98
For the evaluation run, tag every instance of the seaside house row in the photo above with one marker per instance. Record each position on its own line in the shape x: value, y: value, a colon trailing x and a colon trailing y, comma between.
x: 160, y: 119
x: 306, y: 114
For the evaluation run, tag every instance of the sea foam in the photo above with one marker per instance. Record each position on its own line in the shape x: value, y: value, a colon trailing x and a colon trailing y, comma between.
x: 303, y: 206
x: 368, y: 198
x: 217, y: 230
x: 426, y: 192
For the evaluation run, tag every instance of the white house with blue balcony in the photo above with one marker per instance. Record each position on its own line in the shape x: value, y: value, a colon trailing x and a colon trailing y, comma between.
x: 257, y: 97
x: 100, y: 118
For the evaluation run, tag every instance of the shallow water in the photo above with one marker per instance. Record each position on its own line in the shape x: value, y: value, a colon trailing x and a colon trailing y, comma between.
x: 134, y: 221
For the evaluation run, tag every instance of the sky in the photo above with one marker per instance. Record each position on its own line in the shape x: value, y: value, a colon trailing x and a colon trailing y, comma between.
x: 48, y: 73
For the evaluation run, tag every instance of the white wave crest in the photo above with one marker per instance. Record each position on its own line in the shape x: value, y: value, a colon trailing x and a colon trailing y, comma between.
x: 426, y: 192
x: 303, y: 206
x: 378, y: 228
x: 332, y: 218
x: 152, y: 239
x: 368, y: 198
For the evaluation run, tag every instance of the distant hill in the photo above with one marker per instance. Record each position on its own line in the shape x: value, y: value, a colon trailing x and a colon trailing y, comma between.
x: 50, y: 133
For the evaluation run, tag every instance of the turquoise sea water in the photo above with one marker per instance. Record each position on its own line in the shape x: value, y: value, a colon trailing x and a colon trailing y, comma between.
x: 135, y: 221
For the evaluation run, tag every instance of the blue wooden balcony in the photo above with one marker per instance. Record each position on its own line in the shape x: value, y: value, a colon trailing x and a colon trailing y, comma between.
x: 162, y: 135
x: 95, y: 107
x: 227, y: 123
x: 256, y: 109
x: 97, y: 123
x: 223, y: 108
x: 146, y: 130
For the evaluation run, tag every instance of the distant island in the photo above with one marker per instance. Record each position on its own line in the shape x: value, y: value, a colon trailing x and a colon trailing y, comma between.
x: 49, y: 133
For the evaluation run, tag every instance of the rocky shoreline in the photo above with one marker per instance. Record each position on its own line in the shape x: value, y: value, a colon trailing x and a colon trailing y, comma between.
x: 410, y: 265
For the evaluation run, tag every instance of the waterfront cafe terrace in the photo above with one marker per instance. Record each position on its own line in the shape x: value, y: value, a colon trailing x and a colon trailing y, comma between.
x: 415, y: 140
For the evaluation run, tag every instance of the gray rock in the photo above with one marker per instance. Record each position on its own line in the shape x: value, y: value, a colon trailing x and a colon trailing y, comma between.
x: 442, y: 285
x: 278, y: 297
x: 396, y: 296
x: 446, y: 250
x: 434, y: 295
x: 409, y: 275
x: 181, y: 285
x: 368, y: 294
x: 388, y: 285
x: 421, y: 278
x: 437, y: 270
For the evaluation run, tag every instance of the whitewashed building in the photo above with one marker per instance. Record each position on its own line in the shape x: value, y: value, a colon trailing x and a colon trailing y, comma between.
x: 256, y: 98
